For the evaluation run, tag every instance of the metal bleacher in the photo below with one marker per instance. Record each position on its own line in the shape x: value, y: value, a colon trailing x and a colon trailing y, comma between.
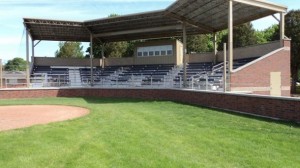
x: 126, y: 75
x: 210, y: 75
x: 50, y: 76
x: 166, y: 75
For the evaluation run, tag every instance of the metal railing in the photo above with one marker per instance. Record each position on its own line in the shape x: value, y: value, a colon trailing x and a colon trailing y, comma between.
x: 43, y: 80
x: 219, y: 67
x: 46, y: 80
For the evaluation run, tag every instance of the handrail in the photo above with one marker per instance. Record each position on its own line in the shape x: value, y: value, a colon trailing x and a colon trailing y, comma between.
x: 199, y: 74
x: 218, y: 66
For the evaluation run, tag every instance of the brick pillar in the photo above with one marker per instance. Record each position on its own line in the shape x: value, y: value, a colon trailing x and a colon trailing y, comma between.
x: 286, y: 43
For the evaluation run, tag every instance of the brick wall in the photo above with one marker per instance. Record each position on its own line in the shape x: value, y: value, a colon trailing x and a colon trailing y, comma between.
x: 255, y: 77
x: 272, y: 107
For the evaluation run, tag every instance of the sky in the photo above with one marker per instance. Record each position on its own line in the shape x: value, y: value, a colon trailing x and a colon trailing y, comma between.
x: 12, y: 12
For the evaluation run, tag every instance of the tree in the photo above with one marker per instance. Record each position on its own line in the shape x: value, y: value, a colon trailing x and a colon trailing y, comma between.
x: 292, y: 28
x: 267, y: 35
x: 69, y: 50
x: 199, y: 43
x: 243, y: 35
x: 272, y: 33
x: 112, y: 49
x: 16, y: 64
x: 116, y: 49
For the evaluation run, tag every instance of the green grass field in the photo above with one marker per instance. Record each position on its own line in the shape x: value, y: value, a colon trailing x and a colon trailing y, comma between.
x: 133, y: 133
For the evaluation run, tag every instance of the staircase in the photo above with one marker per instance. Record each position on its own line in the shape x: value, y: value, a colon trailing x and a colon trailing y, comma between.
x: 169, y: 78
x: 74, y: 77
x: 212, y: 80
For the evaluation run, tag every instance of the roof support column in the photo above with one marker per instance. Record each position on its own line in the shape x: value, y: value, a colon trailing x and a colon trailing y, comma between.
x: 32, y: 51
x: 230, y: 34
x: 230, y: 43
x: 32, y: 48
x: 27, y: 59
x: 102, y: 56
x: 224, y: 70
x: 184, y: 53
x: 215, y: 48
x: 282, y: 25
x: 91, y: 59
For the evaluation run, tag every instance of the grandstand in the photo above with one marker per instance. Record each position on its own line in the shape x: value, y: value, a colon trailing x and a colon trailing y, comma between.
x: 260, y: 69
x: 162, y: 69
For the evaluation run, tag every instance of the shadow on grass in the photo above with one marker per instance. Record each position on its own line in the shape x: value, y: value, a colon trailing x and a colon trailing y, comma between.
x: 95, y: 100
x: 248, y: 115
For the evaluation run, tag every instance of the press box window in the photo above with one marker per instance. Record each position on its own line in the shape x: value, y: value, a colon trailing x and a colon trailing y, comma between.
x: 157, y: 53
x: 151, y: 53
x: 140, y: 54
x: 169, y: 52
x: 163, y: 52
x: 145, y: 53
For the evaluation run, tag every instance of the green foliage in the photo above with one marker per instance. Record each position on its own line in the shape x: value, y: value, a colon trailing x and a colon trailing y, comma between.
x: 113, y: 15
x: 272, y: 33
x: 267, y: 35
x: 260, y: 37
x: 16, y: 64
x: 199, y: 43
x: 243, y: 35
x: 112, y: 49
x: 133, y: 133
x: 97, y: 49
x: 69, y: 50
x: 130, y: 49
x: 299, y: 75
x: 116, y: 49
x: 292, y: 28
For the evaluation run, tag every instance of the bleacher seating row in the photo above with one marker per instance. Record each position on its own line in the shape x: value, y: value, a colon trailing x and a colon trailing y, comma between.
x: 126, y: 73
x: 206, y: 67
x: 145, y: 73
x: 49, y: 70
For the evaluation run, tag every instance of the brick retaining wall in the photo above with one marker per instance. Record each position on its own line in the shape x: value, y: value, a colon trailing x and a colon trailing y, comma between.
x: 273, y: 107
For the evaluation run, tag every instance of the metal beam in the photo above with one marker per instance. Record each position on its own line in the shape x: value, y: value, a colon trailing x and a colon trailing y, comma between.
x: 32, y: 48
x: 52, y: 22
x: 230, y: 34
x: 102, y: 55
x: 282, y: 25
x: 126, y: 32
x: 27, y: 59
x: 184, y: 53
x: 264, y: 4
x: 32, y: 52
x: 37, y: 43
x: 215, y: 48
x: 276, y: 18
x: 91, y: 59
x: 225, y: 70
x: 192, y: 23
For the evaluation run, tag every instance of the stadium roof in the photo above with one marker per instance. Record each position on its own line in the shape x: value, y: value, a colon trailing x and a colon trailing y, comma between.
x: 201, y: 16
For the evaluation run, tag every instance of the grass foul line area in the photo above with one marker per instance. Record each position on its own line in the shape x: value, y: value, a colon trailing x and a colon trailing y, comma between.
x: 135, y: 133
